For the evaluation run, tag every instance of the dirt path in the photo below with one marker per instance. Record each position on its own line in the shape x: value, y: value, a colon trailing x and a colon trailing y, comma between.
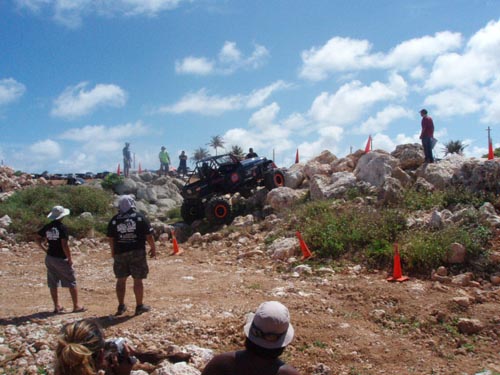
x: 351, y: 320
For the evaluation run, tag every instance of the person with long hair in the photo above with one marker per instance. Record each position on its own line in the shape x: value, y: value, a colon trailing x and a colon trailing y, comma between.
x: 81, y: 351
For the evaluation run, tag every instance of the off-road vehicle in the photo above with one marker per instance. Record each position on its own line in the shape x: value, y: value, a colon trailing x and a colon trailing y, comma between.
x: 216, y: 176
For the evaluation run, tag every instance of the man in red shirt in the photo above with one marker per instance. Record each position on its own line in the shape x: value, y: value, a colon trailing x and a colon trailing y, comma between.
x: 427, y: 135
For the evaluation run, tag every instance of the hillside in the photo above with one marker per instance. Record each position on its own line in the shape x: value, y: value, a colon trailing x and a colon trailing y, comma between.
x: 348, y: 318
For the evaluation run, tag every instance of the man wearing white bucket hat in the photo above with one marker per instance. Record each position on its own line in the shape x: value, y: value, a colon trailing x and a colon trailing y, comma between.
x: 267, y: 332
x: 53, y: 239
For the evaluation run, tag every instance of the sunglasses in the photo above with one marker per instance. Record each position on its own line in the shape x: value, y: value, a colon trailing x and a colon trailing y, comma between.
x: 268, y: 336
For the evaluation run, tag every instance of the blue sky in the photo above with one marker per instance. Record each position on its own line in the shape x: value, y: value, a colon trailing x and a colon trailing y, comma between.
x: 79, y: 78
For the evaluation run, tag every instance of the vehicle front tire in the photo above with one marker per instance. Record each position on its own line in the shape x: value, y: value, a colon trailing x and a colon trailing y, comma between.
x: 191, y: 211
x: 274, y: 179
x: 218, y: 211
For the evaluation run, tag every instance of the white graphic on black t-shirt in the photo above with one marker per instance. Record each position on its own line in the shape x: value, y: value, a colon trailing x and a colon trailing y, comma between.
x: 126, y: 230
x: 52, y: 234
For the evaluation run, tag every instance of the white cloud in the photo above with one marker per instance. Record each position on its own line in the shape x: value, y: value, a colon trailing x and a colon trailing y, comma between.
x: 265, y: 116
x: 454, y: 102
x: 70, y: 12
x: 229, y: 53
x: 201, y: 102
x: 478, y: 64
x: 103, y: 138
x: 492, y: 103
x: 353, y: 99
x: 47, y: 149
x: 76, y: 102
x: 338, y: 54
x: 194, y: 65
x: 32, y: 5
x: 410, y: 53
x: 346, y: 54
x: 10, y: 90
x: 383, y: 119
x: 382, y: 142
x: 229, y: 60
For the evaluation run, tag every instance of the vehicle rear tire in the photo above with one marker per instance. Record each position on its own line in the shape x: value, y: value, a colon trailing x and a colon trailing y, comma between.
x: 218, y: 211
x: 274, y: 179
x: 191, y: 211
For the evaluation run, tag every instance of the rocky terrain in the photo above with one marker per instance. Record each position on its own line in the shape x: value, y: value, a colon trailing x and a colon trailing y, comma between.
x: 348, y: 319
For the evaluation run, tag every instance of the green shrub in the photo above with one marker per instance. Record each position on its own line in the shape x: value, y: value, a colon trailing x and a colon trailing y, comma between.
x: 423, y: 250
x: 28, y: 209
x: 111, y: 181
x: 415, y: 200
x: 333, y: 230
x: 458, y: 194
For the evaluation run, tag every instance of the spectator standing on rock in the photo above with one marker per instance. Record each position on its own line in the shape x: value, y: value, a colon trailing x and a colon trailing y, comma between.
x: 268, y: 332
x: 182, y: 170
x: 82, y: 350
x: 128, y: 232
x: 164, y: 161
x: 251, y: 154
x: 53, y: 239
x: 427, y: 135
x: 127, y: 159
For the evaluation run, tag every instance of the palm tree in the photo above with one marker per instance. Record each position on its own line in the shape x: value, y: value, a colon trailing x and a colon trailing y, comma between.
x: 200, y: 153
x: 237, y: 151
x: 215, y: 142
x: 454, y: 147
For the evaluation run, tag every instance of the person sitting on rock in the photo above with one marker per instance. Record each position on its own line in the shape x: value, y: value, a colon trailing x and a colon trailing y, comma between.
x: 267, y: 332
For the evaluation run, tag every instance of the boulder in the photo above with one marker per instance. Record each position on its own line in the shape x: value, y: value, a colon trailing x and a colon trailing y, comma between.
x: 282, y: 198
x: 294, y: 176
x: 410, y: 155
x: 469, y: 326
x: 283, y: 248
x: 440, y: 174
x: 5, y: 221
x: 337, y: 185
x: 348, y: 163
x: 375, y: 167
x: 128, y: 186
x: 391, y: 192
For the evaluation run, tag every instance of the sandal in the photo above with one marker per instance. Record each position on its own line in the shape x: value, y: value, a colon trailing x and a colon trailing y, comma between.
x: 58, y: 310
x: 80, y: 309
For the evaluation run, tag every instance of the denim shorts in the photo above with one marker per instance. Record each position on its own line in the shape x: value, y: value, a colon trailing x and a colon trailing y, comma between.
x: 59, y: 273
x: 132, y: 263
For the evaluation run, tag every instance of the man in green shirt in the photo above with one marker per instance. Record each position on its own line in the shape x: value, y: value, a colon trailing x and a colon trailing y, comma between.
x: 164, y: 161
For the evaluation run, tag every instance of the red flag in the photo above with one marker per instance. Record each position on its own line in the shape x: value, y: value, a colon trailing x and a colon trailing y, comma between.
x: 491, y: 155
x: 297, y: 157
x: 118, y: 170
x: 368, y: 146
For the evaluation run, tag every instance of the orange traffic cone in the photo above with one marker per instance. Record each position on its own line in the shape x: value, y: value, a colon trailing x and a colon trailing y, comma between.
x: 397, y: 274
x: 368, y: 146
x: 176, y: 251
x: 118, y: 170
x: 306, y: 253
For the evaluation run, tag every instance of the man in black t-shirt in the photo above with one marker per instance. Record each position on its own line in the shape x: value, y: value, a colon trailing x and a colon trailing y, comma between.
x: 251, y: 154
x: 53, y: 239
x: 128, y: 232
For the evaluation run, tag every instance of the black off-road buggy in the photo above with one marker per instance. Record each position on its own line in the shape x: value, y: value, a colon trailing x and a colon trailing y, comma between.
x: 216, y: 176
